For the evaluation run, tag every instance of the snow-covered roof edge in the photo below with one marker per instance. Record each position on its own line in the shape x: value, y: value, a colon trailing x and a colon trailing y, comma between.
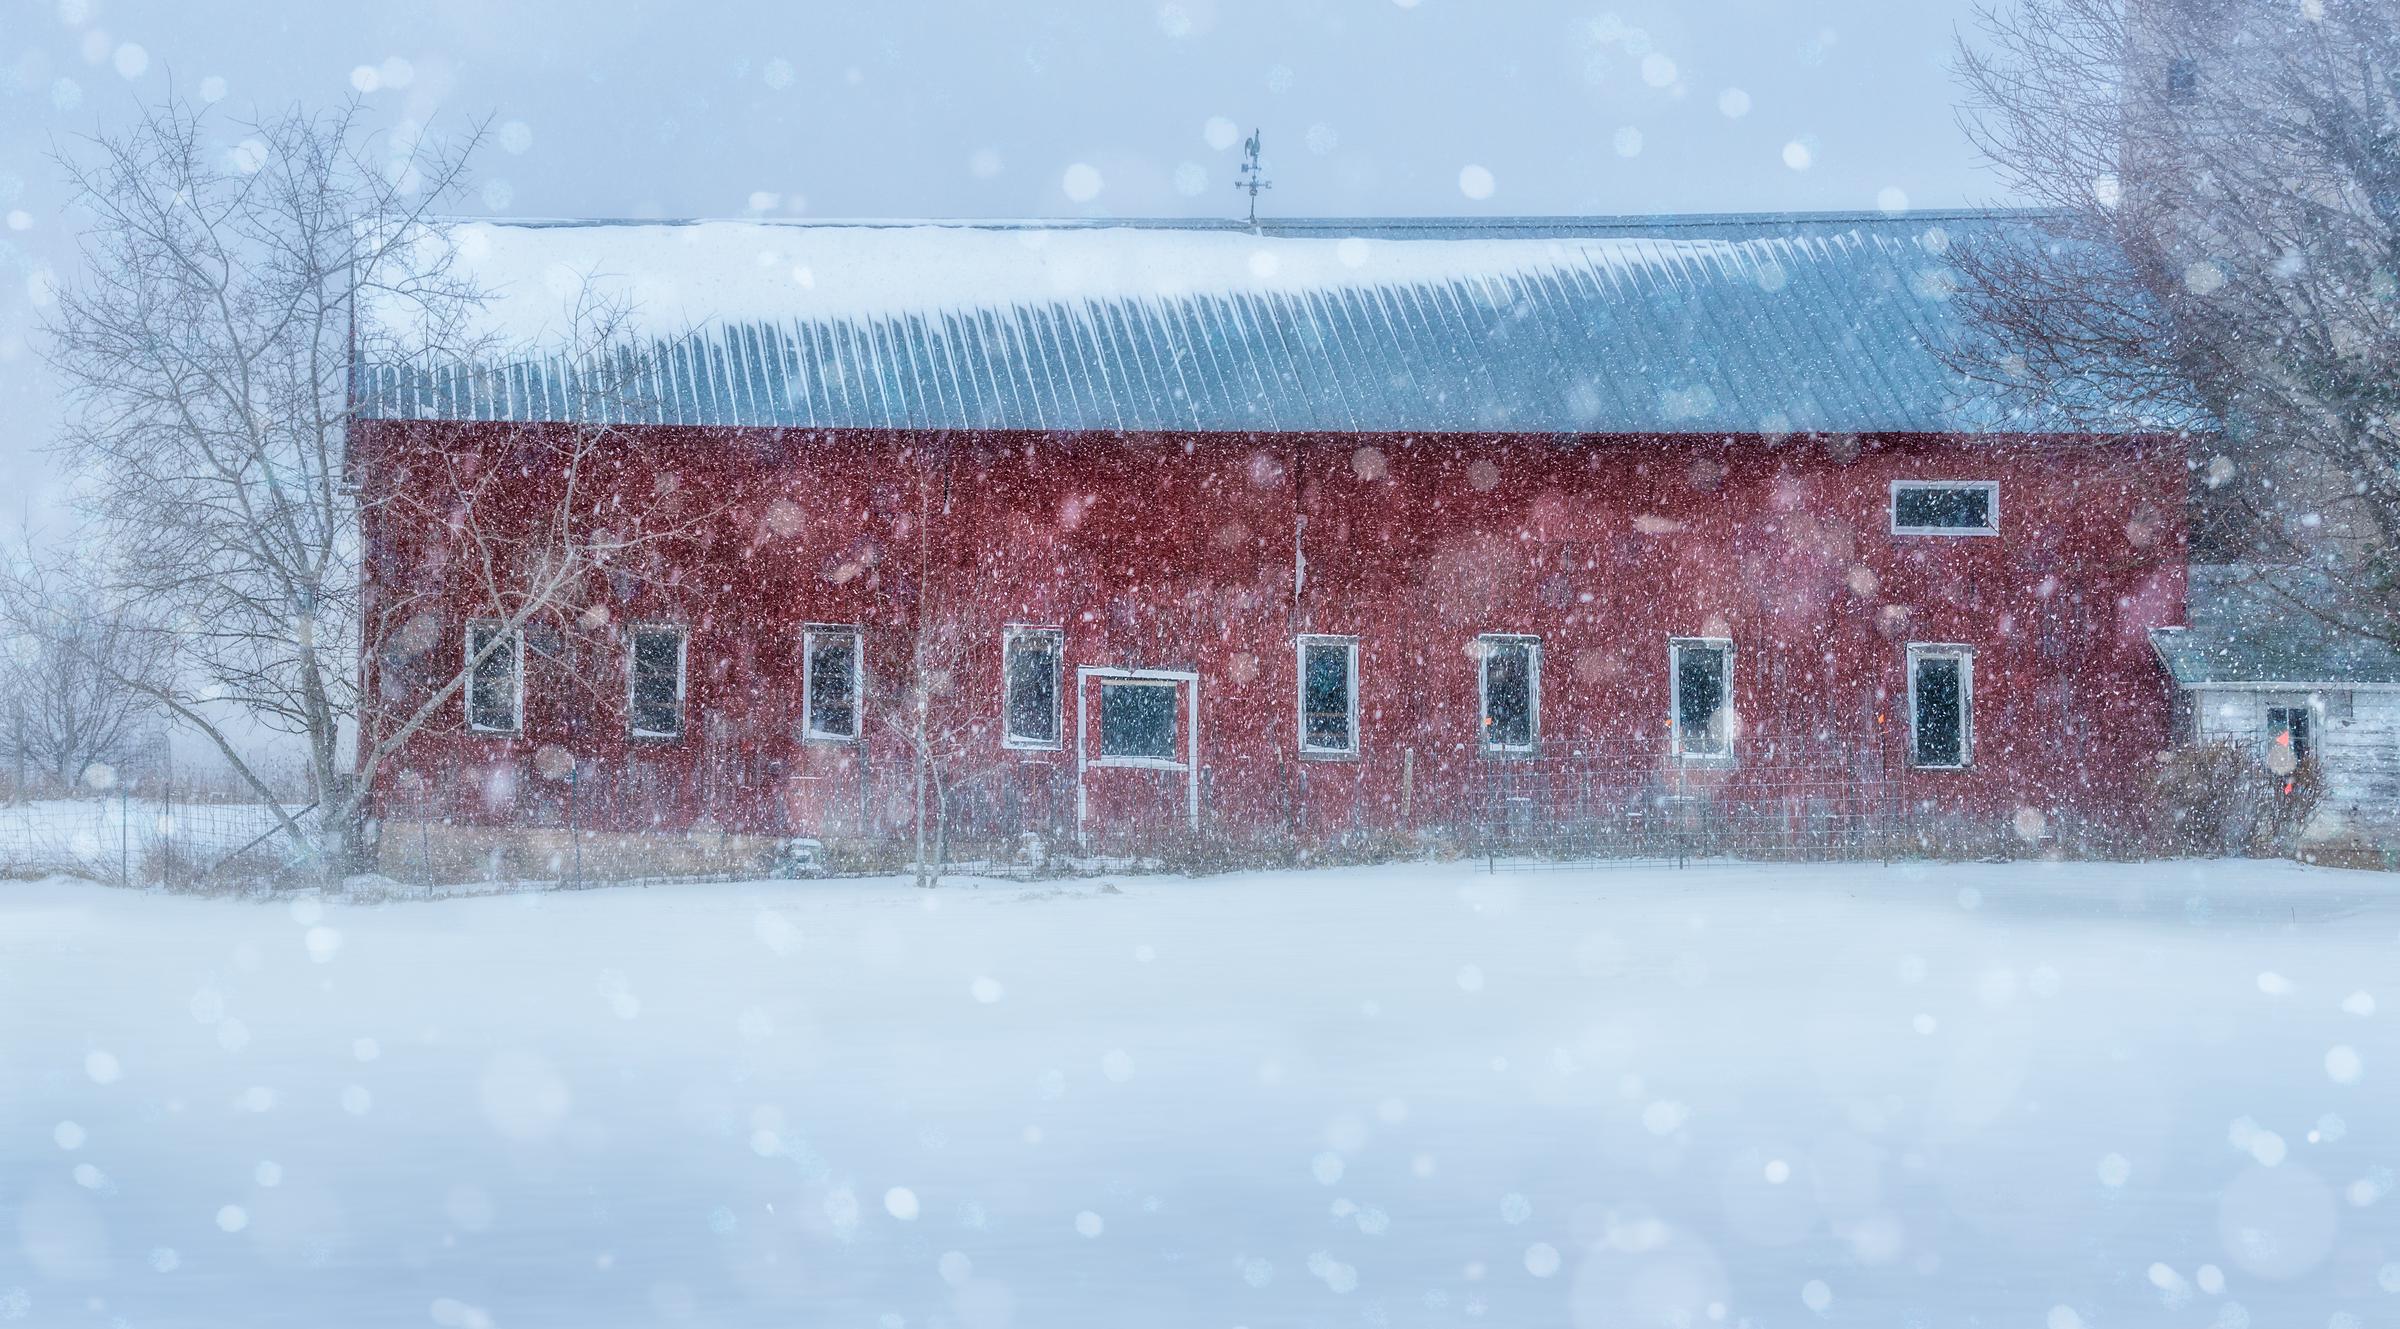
x: 2245, y: 633
x: 1715, y: 323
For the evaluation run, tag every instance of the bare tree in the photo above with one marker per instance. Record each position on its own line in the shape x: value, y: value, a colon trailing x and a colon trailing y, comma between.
x: 2222, y: 181
x: 211, y: 345
x: 71, y: 672
x: 949, y: 744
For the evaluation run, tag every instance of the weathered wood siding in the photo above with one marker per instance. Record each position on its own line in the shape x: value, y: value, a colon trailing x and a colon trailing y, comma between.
x: 1211, y: 553
x: 2357, y: 745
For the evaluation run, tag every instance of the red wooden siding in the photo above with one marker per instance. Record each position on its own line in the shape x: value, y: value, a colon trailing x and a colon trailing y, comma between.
x: 1211, y: 554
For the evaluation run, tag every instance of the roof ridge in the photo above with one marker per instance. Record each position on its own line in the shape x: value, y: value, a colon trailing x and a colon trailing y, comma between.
x: 1566, y: 223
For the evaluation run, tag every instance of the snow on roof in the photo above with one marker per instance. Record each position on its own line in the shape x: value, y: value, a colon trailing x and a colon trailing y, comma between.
x: 1763, y: 324
x: 2250, y: 628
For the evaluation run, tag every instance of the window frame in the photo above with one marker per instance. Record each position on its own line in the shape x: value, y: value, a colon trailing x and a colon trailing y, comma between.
x: 2304, y: 742
x: 809, y: 633
x: 1676, y: 646
x: 1173, y: 687
x: 1010, y: 635
x: 1965, y: 655
x: 516, y: 676
x: 1484, y: 642
x: 1991, y: 510
x: 1349, y: 648
x: 683, y: 654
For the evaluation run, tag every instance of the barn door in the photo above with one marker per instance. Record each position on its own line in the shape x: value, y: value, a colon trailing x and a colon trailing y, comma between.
x: 1137, y: 766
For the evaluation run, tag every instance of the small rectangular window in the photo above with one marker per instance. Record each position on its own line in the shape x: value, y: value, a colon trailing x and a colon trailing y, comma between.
x: 1941, y: 706
x: 1329, y: 696
x: 496, y: 680
x: 2183, y: 78
x: 1510, y: 691
x: 1945, y: 507
x: 831, y: 663
x: 654, y: 700
x: 1029, y: 675
x: 1137, y: 720
x: 1701, y: 670
x: 2287, y: 730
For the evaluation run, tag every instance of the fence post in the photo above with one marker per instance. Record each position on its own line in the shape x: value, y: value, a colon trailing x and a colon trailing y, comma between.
x: 124, y: 835
x: 574, y: 841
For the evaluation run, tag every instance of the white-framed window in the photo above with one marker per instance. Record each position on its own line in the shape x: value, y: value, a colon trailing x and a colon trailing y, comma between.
x: 1700, y: 712
x: 1138, y: 721
x: 1031, y: 666
x: 2290, y: 736
x: 1328, y: 696
x: 832, y: 669
x: 496, y: 682
x: 654, y: 681
x: 1941, y: 706
x: 1509, y: 691
x: 1945, y: 507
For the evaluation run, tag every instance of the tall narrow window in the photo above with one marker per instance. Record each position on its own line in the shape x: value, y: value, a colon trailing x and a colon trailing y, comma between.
x: 654, y: 701
x: 1941, y: 706
x: 1137, y: 720
x: 831, y: 663
x: 1029, y: 674
x: 1945, y: 507
x: 496, y: 681
x: 1329, y: 696
x: 1700, y: 669
x: 2287, y: 730
x: 1510, y: 691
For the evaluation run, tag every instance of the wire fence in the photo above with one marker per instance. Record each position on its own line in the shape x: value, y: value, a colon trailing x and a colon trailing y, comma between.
x: 159, y: 836
x: 1644, y: 801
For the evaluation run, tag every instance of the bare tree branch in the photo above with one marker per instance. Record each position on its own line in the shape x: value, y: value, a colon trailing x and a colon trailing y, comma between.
x: 2223, y: 187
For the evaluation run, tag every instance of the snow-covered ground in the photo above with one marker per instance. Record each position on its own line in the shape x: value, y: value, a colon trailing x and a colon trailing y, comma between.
x: 1921, y: 1095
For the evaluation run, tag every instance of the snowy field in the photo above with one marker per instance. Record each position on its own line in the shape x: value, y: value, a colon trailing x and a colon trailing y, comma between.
x: 2017, y: 1096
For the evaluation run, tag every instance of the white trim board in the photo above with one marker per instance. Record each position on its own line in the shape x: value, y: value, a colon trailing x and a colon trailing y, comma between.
x: 1083, y: 739
x: 2326, y: 686
x: 1057, y: 637
x: 1319, y: 752
x: 1891, y: 509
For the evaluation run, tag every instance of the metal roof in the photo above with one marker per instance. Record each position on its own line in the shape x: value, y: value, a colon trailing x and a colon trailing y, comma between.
x: 2249, y: 629
x: 1718, y: 325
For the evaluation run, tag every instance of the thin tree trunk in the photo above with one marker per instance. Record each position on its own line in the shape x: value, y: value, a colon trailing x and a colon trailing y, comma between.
x: 924, y: 866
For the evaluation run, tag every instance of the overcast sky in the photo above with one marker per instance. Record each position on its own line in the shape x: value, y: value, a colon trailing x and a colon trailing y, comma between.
x: 880, y: 108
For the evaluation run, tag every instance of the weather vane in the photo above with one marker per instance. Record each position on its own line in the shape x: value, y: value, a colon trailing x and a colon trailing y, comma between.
x: 1253, y: 178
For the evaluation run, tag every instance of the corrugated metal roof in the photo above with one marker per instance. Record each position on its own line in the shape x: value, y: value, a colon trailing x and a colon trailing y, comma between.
x: 2247, y: 629
x: 1722, y: 325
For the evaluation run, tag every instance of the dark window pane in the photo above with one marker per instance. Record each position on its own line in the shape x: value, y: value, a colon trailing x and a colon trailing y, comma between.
x: 2288, y: 726
x: 1508, y: 694
x: 1963, y: 508
x: 1700, y: 698
x: 657, y: 682
x: 492, y: 687
x: 1033, y: 688
x: 1325, y: 695
x: 1941, y: 712
x: 1137, y: 720
x: 832, y: 684
x: 2183, y: 78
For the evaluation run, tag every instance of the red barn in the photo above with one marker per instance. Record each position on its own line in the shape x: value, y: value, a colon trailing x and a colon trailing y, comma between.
x: 1333, y: 528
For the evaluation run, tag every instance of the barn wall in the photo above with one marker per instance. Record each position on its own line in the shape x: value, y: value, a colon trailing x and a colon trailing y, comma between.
x: 1209, y: 554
